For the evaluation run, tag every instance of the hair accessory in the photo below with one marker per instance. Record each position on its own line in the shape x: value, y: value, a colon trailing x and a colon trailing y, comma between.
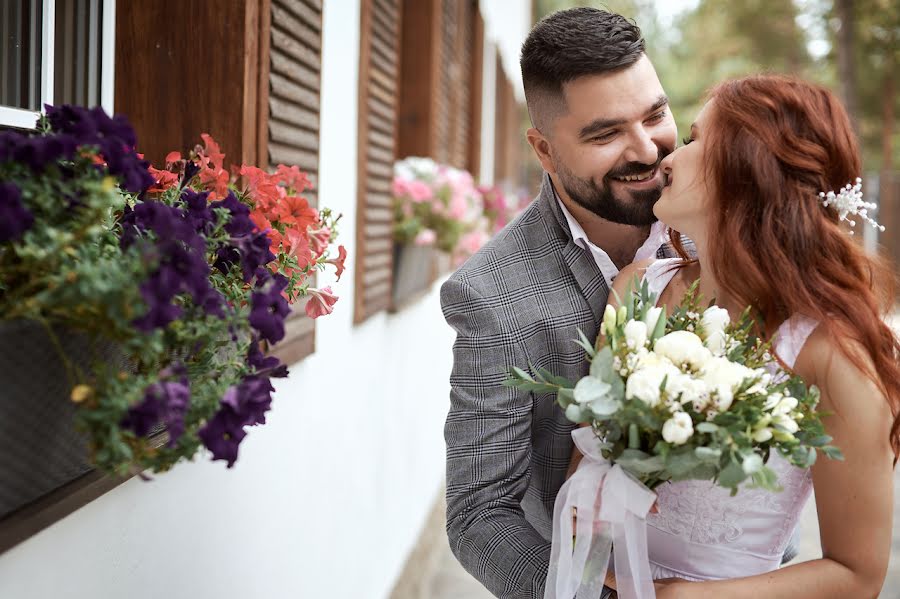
x: 849, y: 201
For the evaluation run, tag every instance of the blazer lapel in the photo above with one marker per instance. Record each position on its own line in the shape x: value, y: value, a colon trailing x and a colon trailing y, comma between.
x: 587, y: 274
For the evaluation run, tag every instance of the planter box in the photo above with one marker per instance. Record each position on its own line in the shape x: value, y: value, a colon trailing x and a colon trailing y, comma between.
x: 413, y: 273
x: 40, y: 450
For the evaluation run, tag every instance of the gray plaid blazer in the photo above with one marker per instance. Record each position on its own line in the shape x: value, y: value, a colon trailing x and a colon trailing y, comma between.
x: 520, y: 300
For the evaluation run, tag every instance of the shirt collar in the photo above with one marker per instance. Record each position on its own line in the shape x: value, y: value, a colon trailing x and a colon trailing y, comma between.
x: 658, y: 236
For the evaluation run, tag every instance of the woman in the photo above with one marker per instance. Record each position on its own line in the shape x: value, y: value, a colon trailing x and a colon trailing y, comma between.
x: 745, y: 187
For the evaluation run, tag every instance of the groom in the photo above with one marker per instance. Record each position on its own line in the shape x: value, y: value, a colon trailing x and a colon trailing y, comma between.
x: 601, y: 126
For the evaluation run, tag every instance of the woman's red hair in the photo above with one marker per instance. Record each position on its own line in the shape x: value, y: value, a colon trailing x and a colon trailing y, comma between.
x: 771, y: 144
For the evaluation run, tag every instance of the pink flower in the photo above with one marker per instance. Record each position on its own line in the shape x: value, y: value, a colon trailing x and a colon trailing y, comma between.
x: 339, y: 261
x: 400, y: 187
x: 319, y: 240
x: 321, y: 302
x: 426, y: 237
x: 419, y: 191
x: 472, y: 242
x: 458, y: 206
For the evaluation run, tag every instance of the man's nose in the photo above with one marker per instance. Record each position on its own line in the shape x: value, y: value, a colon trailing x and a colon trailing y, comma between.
x: 642, y: 148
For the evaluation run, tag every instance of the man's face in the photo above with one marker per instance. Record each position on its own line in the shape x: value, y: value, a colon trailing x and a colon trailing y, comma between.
x: 607, y: 146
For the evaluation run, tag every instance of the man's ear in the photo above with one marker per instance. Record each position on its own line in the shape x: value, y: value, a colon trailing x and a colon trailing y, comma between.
x: 541, y: 147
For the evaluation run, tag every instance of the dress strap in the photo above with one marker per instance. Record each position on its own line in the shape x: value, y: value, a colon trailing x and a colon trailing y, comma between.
x: 791, y: 336
x: 659, y: 274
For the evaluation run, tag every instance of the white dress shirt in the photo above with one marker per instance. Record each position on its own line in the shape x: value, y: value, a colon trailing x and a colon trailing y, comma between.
x: 658, y: 236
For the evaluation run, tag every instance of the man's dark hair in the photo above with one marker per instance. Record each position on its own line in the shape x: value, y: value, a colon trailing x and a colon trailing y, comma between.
x: 570, y: 44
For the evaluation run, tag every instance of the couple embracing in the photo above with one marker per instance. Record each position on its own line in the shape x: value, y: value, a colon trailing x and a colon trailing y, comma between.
x: 744, y: 190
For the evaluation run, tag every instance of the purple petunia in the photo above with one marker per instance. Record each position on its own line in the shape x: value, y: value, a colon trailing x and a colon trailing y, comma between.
x: 165, y: 402
x: 263, y: 364
x: 15, y: 218
x: 269, y: 309
x: 244, y: 405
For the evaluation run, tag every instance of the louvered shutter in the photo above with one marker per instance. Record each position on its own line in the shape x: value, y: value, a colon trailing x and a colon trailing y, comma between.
x: 378, y: 75
x: 292, y: 137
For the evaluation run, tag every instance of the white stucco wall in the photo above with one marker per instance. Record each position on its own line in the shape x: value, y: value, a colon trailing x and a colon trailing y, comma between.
x: 328, y: 498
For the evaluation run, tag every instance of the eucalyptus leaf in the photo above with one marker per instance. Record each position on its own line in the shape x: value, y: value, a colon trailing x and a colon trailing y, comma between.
x: 732, y: 475
x: 708, y: 454
x: 590, y: 389
x: 706, y: 427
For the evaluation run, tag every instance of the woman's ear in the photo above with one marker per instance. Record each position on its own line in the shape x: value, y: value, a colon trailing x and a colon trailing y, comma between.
x: 541, y: 147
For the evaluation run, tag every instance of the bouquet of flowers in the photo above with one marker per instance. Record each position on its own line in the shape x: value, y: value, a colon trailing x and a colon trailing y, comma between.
x: 189, y: 270
x: 437, y: 205
x: 691, y: 395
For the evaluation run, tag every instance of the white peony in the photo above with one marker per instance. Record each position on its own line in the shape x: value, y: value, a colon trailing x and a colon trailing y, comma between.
x: 683, y: 347
x: 635, y: 334
x: 644, y: 384
x: 688, y: 389
x: 678, y: 429
x: 652, y: 317
x: 714, y: 321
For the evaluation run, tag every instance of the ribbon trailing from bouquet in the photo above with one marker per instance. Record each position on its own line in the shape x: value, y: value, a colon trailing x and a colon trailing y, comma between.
x: 612, y: 508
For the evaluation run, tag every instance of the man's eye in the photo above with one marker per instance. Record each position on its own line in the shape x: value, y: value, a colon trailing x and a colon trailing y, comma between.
x: 604, y: 138
x: 658, y: 116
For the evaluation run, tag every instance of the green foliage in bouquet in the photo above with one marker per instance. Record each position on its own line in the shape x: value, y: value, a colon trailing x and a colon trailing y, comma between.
x: 689, y: 395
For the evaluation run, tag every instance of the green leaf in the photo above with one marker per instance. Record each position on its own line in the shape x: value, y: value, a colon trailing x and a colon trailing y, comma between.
x: 732, y: 475
x: 708, y: 454
x: 634, y: 438
x: 706, y: 427
x: 681, y: 461
x: 638, y: 462
x: 584, y: 343
x: 660, y: 329
x: 833, y: 452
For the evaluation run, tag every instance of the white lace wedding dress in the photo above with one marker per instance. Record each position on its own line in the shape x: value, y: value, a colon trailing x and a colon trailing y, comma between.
x: 701, y: 532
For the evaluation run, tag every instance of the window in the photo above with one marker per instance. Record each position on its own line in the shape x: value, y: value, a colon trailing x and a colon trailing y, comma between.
x: 55, y: 52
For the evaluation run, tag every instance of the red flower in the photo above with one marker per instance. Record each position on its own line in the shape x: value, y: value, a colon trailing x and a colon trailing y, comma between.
x: 321, y: 302
x: 163, y: 180
x: 339, y: 261
x: 172, y: 157
x: 262, y: 187
x: 292, y: 178
x: 296, y: 211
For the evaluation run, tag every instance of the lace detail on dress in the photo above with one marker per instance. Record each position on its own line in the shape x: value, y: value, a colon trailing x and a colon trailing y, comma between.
x: 701, y: 532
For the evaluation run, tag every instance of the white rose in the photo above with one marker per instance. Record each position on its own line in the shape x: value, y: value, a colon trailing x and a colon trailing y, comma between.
x: 721, y: 373
x: 635, y: 334
x: 714, y: 321
x: 678, y: 429
x: 690, y: 389
x: 652, y: 317
x: 644, y: 384
x: 683, y: 347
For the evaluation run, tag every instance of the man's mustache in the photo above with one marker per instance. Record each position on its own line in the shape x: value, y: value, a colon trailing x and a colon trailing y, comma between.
x: 637, y: 168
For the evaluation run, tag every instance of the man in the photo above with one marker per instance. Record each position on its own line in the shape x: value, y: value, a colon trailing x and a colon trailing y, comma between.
x: 601, y: 126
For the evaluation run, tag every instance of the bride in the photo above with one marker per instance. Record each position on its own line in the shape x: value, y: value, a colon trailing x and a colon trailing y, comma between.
x: 747, y: 187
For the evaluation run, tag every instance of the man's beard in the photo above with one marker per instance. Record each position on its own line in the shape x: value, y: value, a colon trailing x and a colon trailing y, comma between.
x: 637, y: 210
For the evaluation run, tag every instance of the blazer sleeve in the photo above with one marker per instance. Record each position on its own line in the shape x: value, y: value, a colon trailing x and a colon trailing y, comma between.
x: 488, y: 436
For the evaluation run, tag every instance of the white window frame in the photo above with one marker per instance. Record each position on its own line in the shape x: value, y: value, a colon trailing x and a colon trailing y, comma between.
x: 27, y: 119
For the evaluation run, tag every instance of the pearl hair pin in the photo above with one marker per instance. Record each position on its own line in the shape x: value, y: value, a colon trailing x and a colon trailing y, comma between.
x: 849, y: 202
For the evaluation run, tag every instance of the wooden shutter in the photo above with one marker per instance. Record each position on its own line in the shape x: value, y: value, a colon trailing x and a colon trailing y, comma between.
x: 378, y: 76
x: 475, y: 91
x: 440, y: 59
x: 292, y: 85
